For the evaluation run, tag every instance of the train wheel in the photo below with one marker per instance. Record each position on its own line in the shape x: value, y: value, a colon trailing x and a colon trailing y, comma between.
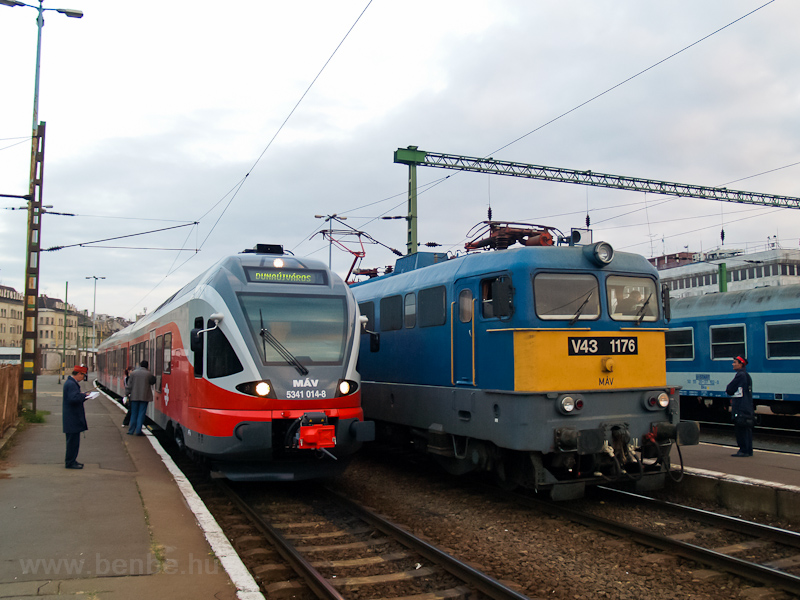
x: 177, y: 435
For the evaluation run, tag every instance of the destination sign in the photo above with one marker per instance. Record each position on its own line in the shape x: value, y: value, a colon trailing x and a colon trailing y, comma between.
x: 295, y: 276
x: 589, y: 346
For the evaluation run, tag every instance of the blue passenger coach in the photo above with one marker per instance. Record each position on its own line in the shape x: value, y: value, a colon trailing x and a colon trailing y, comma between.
x: 761, y: 324
x: 531, y: 363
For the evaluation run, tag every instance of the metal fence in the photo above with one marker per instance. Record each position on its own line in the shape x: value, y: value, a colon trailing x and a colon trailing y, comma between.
x: 9, y: 396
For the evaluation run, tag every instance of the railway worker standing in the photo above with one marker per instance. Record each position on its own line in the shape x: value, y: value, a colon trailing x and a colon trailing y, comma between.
x: 73, y: 415
x: 741, y: 392
x: 139, y: 394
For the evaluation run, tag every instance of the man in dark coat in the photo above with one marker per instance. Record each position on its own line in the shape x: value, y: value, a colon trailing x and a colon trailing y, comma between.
x: 741, y: 392
x: 139, y: 393
x: 73, y: 415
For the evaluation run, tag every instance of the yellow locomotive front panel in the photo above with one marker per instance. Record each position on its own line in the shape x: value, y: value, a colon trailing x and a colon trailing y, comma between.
x: 558, y: 360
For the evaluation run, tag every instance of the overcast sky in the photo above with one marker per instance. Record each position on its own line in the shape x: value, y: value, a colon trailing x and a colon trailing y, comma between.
x: 157, y: 110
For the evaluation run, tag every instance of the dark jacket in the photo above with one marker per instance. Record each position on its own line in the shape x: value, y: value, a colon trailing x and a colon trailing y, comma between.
x: 741, y: 392
x: 139, y: 382
x: 72, y: 411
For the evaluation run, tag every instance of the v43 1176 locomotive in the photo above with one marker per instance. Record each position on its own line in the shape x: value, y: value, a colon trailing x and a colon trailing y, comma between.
x: 255, y: 362
x: 541, y: 364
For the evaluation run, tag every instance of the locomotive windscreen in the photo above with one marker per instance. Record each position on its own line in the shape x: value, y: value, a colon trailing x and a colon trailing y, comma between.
x: 313, y: 329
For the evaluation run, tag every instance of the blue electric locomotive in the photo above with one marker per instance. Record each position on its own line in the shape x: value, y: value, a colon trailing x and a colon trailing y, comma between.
x: 541, y: 364
x: 761, y: 324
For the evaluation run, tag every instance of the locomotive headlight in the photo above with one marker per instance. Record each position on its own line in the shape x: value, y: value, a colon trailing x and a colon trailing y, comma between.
x: 277, y: 263
x: 663, y: 400
x: 568, y: 404
x: 344, y: 387
x: 653, y: 401
x: 600, y: 253
x: 262, y: 388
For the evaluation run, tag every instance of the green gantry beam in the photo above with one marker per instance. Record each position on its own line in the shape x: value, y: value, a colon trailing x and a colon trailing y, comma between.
x: 412, y: 157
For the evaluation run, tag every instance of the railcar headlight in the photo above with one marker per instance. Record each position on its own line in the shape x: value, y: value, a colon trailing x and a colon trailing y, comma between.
x: 262, y: 389
x: 346, y: 386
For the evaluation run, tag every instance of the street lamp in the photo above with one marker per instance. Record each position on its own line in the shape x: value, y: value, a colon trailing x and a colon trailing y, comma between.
x: 94, y: 308
x: 34, y: 197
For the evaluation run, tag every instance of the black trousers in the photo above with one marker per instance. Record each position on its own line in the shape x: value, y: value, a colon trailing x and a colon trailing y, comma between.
x: 73, y: 446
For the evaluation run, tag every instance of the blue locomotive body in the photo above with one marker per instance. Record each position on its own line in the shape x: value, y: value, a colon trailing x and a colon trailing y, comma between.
x: 524, y: 362
x: 761, y: 324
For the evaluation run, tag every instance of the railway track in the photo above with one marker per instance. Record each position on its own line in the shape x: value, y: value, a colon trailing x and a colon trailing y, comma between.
x: 756, y: 552
x: 304, y: 541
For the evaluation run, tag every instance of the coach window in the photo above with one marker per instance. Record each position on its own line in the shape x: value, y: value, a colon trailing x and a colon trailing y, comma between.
x: 367, y: 309
x: 410, y: 310
x: 783, y: 339
x: 432, y: 307
x: 221, y: 357
x: 632, y: 298
x: 680, y: 344
x: 566, y: 296
x: 465, y: 306
x: 391, y: 313
x: 727, y: 341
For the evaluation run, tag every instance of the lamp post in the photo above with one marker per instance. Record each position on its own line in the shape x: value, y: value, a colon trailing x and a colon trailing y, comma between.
x: 34, y: 198
x: 94, y: 309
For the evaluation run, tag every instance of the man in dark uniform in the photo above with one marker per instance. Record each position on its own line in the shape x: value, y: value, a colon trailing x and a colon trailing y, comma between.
x: 73, y: 414
x: 741, y: 392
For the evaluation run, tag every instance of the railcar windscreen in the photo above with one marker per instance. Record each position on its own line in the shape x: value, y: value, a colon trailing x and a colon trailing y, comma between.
x: 312, y: 328
x: 632, y: 298
x: 560, y: 296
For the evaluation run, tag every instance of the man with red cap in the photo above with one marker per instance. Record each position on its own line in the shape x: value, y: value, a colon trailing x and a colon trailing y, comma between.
x: 73, y: 415
x: 741, y: 392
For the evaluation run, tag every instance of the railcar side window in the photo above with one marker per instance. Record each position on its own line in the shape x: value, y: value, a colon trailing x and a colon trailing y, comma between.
x: 727, y: 342
x: 465, y: 306
x: 680, y: 344
x: 560, y: 296
x: 783, y: 339
x: 632, y: 298
x: 167, y: 352
x: 391, y: 313
x: 220, y: 356
x: 367, y: 309
x: 410, y: 310
x: 159, y: 366
x: 432, y: 306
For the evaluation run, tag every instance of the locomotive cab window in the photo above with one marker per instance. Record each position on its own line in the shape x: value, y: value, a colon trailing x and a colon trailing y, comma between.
x: 496, y: 297
x: 391, y: 313
x: 560, y: 296
x: 727, y: 342
x: 410, y: 310
x: 632, y: 298
x: 680, y: 344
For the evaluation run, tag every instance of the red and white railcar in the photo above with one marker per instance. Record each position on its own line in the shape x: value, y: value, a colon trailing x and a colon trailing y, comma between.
x: 255, y: 362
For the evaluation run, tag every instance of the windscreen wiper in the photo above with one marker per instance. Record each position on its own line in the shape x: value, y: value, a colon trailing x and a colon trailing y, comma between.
x: 580, y: 308
x: 285, y: 354
x: 640, y: 312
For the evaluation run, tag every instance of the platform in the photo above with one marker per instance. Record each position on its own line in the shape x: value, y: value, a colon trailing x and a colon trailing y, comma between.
x: 119, y: 528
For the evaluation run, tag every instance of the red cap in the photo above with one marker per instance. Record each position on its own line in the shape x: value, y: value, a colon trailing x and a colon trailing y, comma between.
x: 741, y: 359
x: 81, y: 369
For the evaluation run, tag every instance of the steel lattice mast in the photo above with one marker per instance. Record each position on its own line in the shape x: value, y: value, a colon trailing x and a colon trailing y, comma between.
x: 412, y: 157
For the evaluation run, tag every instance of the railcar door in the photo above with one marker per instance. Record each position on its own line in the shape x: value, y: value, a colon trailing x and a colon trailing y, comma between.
x: 462, y: 339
